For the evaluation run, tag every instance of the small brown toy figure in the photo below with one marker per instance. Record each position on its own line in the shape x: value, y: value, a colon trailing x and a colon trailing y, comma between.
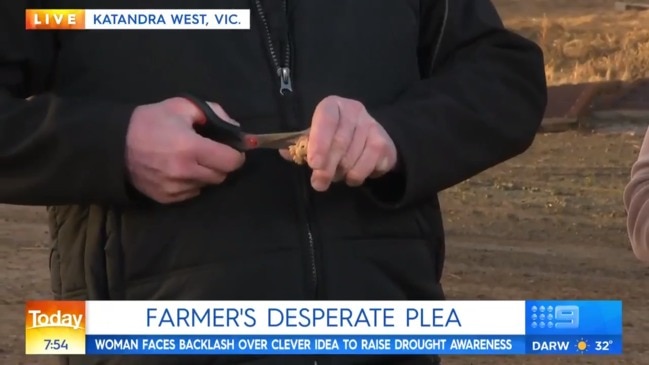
x: 298, y: 150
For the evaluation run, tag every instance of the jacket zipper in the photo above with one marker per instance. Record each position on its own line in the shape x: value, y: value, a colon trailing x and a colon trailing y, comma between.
x: 283, y: 70
x: 285, y: 88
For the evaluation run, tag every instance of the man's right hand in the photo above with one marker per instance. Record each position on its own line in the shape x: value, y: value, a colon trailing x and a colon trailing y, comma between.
x: 167, y: 160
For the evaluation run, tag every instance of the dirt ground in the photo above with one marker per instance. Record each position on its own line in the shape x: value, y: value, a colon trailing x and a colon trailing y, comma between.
x: 548, y: 224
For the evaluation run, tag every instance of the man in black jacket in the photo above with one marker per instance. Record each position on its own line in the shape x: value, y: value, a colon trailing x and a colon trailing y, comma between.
x: 405, y: 98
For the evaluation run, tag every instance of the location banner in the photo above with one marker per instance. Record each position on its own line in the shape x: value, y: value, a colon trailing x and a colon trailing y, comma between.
x: 324, y: 327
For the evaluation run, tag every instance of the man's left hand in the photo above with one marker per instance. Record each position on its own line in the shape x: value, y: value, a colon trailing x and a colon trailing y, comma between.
x: 346, y: 143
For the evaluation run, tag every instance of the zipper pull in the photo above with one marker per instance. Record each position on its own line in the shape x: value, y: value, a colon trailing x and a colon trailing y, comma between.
x: 284, y: 74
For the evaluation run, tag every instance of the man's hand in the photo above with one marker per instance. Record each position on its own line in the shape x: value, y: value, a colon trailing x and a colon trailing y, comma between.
x: 346, y: 143
x: 167, y: 160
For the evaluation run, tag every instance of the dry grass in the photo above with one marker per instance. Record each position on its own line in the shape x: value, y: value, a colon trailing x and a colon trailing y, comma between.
x: 583, y: 42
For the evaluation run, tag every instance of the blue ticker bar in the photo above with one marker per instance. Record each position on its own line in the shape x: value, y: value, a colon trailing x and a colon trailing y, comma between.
x: 575, y: 317
x: 351, y: 345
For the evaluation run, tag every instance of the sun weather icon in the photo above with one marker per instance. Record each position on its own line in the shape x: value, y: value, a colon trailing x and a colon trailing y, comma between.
x: 582, y: 345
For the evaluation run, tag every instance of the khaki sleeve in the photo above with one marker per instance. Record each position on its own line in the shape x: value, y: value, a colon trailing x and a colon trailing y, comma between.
x: 636, y: 202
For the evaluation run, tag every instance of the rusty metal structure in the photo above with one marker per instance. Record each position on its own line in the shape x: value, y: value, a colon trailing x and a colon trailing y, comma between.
x: 631, y: 96
x: 569, y: 105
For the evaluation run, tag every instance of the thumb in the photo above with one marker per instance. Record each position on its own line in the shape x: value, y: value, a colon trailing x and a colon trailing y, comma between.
x: 194, y: 114
x: 285, y: 155
x: 216, y: 156
x: 382, y: 168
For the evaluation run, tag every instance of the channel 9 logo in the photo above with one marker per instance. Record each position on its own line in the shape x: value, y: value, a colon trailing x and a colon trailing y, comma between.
x: 55, y: 328
x: 559, y: 317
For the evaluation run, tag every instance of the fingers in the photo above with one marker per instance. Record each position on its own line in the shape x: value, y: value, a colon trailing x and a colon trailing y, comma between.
x: 189, y: 194
x: 179, y: 196
x: 203, y: 163
x: 378, y: 158
x: 204, y: 175
x: 185, y: 181
x: 193, y: 114
x: 363, y: 167
x: 208, y: 162
x: 323, y: 129
x: 216, y: 156
x: 347, y: 145
x: 336, y: 140
x: 353, y: 153
x: 382, y: 168
x: 183, y: 107
x: 285, y: 155
x: 361, y: 133
x: 167, y: 160
x: 166, y: 190
x: 342, y: 141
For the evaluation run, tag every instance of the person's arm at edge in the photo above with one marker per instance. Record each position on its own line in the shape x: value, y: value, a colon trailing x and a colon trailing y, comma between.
x: 54, y: 150
x: 62, y: 151
x: 482, y: 105
x: 636, y: 202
